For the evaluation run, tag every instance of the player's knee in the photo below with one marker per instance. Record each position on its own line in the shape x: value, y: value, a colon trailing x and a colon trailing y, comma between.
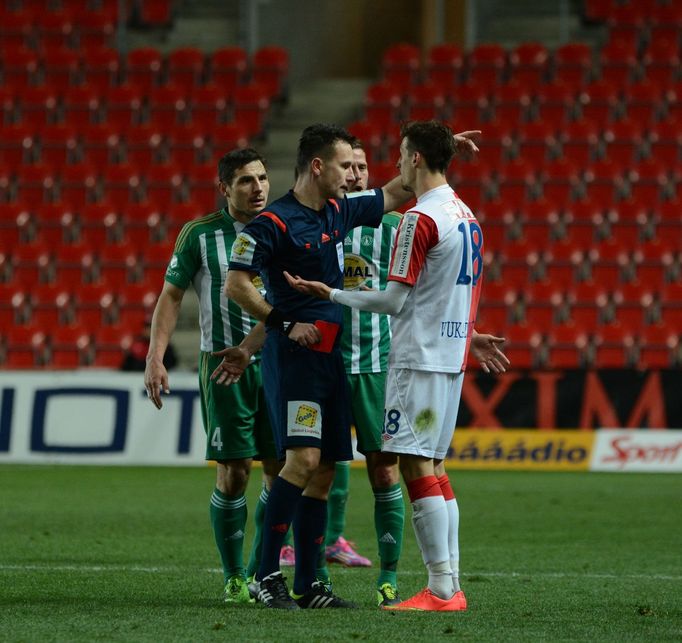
x: 233, y: 476
x: 384, y: 476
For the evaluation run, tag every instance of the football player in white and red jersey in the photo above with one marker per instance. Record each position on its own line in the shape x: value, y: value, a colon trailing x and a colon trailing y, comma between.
x: 432, y: 294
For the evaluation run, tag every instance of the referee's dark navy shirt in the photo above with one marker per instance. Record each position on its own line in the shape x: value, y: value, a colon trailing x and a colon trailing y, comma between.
x: 305, y: 242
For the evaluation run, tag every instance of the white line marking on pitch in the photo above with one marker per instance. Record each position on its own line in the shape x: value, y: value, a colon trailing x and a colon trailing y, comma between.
x: 335, y: 570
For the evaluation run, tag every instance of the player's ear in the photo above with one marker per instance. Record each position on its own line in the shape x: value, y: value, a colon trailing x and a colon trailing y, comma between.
x: 316, y: 166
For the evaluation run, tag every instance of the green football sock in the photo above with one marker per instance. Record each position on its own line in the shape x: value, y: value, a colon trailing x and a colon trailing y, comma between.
x: 257, y: 544
x: 322, y: 571
x: 228, y: 517
x: 389, y: 519
x: 336, y: 503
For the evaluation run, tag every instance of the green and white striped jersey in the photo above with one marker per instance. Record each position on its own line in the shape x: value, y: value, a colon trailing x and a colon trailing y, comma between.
x: 366, y: 336
x: 200, y: 257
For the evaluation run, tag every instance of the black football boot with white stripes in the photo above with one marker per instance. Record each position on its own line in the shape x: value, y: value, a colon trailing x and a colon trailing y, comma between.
x: 272, y: 592
x: 320, y: 597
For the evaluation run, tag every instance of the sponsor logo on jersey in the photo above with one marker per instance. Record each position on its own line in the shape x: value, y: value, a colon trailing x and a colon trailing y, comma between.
x: 355, y: 195
x: 258, y: 284
x: 403, y: 251
x: 306, y: 415
x: 367, y: 240
x: 243, y: 249
x: 173, y: 262
x: 356, y: 272
x: 455, y: 329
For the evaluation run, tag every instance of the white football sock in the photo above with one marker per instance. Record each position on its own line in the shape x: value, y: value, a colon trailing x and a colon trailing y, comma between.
x: 453, y: 540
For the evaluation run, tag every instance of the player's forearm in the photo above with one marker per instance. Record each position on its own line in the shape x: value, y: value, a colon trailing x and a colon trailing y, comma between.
x: 164, y: 320
x: 240, y: 289
x: 395, y: 195
x: 254, y: 341
x: 385, y: 302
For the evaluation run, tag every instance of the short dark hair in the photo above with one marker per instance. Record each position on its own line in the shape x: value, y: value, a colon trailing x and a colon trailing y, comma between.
x: 433, y: 140
x: 232, y: 161
x: 357, y: 144
x: 318, y: 140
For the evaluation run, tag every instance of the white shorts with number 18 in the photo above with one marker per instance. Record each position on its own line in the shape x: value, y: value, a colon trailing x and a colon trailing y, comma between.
x: 420, y: 412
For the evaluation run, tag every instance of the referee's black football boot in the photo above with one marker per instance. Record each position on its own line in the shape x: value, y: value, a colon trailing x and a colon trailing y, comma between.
x: 321, y: 597
x: 273, y: 592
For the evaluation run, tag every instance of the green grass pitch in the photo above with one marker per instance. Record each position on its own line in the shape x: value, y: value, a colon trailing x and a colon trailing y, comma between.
x: 126, y: 554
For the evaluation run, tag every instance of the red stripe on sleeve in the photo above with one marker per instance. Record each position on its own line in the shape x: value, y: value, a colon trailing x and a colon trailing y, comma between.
x: 411, y: 247
x: 423, y: 488
x: 275, y: 219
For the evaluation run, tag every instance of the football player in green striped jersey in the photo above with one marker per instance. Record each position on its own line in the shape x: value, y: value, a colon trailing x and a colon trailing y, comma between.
x: 365, y: 343
x: 235, y: 417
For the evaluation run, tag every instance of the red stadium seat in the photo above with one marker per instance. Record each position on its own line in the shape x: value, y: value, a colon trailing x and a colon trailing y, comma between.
x: 665, y: 22
x: 627, y: 22
x: 202, y: 185
x: 111, y: 343
x: 579, y: 141
x: 14, y: 304
x: 96, y: 28
x: 649, y: 181
x: 100, y: 145
x: 473, y: 181
x: 16, y: 224
x: 144, y: 145
x: 636, y: 304
x: 511, y: 103
x: 496, y: 145
x: 426, y: 102
x: 69, y: 347
x: 95, y: 305
x: 167, y: 105
x: 55, y: 28
x: 228, y: 67
x: 529, y: 64
x: 25, y: 347
x: 142, y: 223
x: 58, y: 144
x: 177, y: 216
x: 516, y: 181
x: 536, y: 142
x: 568, y: 347
x: 444, y: 64
x: 61, y: 67
x: 228, y: 136
x: 208, y: 105
x: 99, y: 224
x: 665, y: 141
x: 572, y: 64
x: 400, y: 64
x: 524, y: 345
x: 644, y: 102
x: 270, y: 68
x: 383, y: 102
x: 187, y: 145
x: 658, y: 346
x: 186, y: 66
x: 123, y: 105
x: 555, y: 103
x: 143, y: 67
x: 560, y: 180
x: 162, y: 184
x: 74, y: 264
x: 251, y: 108
x: 604, y: 181
x: 486, y: 64
x: 16, y: 145
x: 122, y: 184
x: 619, y: 64
x: 155, y: 260
x: 101, y: 67
x: 51, y: 305
x: 38, y: 105
x: 35, y: 185
x: 19, y: 67
x: 154, y: 14
x: 118, y: 263
x: 656, y: 260
x: 600, y: 101
x: 57, y: 223
x: 30, y: 263
x: 77, y: 184
x: 81, y: 105
x: 372, y: 139
x: 16, y: 27
x: 470, y: 102
x: 614, y: 347
x: 661, y: 61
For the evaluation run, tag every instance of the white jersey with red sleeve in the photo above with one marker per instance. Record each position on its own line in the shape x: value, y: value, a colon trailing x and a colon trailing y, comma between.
x: 439, y: 252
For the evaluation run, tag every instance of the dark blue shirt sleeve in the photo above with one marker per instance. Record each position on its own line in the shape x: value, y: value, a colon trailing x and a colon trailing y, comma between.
x: 364, y: 208
x: 255, y: 245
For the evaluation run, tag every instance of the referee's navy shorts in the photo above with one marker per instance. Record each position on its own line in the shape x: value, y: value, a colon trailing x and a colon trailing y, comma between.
x: 307, y: 398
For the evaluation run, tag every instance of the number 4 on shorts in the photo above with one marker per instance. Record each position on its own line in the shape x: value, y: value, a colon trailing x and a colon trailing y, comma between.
x: 215, y: 439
